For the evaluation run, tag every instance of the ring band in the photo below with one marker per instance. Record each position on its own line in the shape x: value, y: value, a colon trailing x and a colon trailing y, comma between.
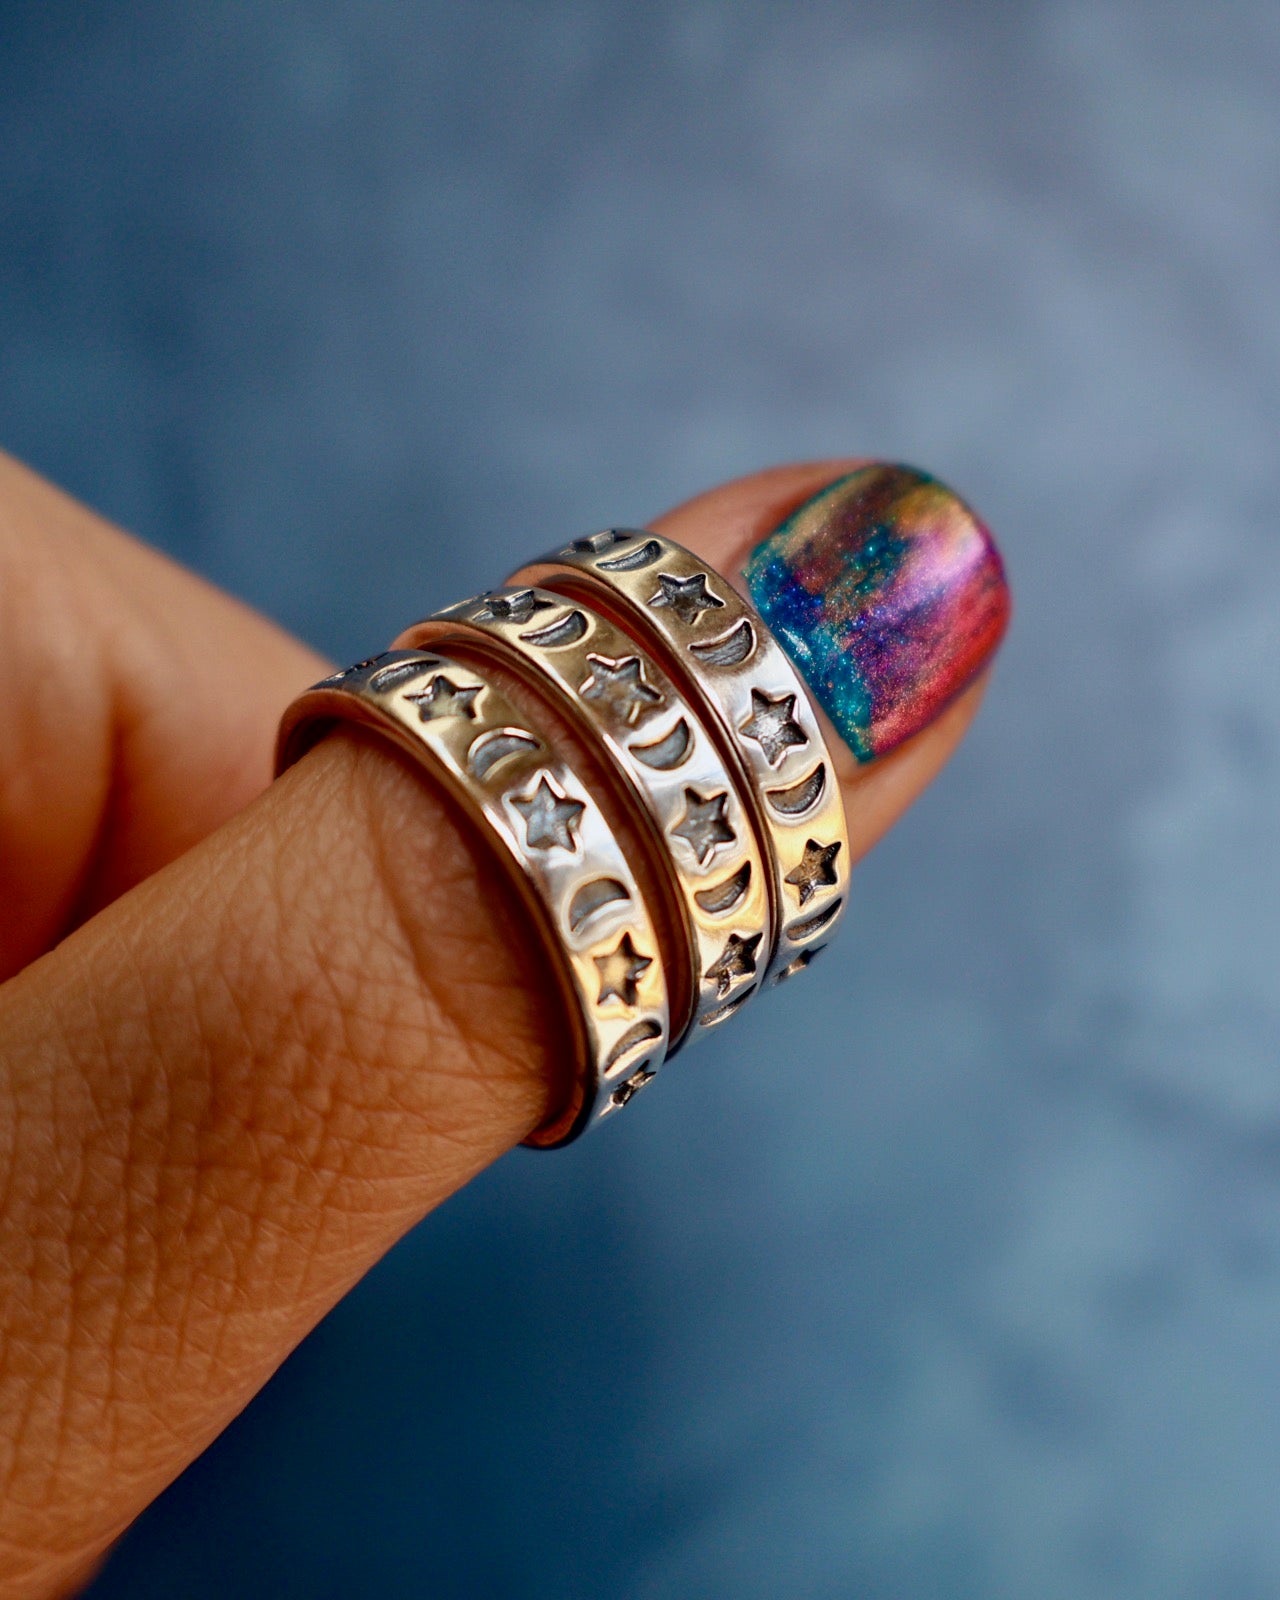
x: 640, y: 703
x: 624, y: 701
x: 721, y: 653
x: 570, y: 868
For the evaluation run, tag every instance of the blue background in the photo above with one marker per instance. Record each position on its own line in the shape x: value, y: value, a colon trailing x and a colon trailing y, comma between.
x: 958, y: 1273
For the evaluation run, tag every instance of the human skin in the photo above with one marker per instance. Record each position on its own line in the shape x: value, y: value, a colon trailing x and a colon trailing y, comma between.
x: 239, y: 1057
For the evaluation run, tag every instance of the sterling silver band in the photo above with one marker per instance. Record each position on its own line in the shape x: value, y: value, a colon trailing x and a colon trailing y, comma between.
x: 721, y: 654
x: 568, y: 864
x: 672, y: 769
x: 622, y: 697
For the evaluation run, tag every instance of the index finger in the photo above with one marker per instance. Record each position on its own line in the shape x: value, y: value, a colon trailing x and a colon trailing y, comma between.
x: 230, y: 1092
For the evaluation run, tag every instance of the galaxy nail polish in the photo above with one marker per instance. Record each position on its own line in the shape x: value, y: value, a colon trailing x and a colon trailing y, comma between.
x: 889, y: 595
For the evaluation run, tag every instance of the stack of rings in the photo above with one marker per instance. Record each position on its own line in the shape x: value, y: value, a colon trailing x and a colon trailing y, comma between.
x: 621, y: 716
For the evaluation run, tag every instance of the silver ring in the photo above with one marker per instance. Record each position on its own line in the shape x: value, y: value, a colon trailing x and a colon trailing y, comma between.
x: 721, y: 653
x: 619, y: 694
x: 569, y: 866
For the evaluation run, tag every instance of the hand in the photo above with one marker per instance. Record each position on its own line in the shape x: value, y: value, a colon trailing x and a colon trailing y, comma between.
x: 241, y: 1054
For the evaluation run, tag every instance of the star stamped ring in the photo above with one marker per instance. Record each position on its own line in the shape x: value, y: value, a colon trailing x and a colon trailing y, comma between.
x: 518, y: 860
x: 501, y: 765
x: 646, y: 764
x: 699, y: 840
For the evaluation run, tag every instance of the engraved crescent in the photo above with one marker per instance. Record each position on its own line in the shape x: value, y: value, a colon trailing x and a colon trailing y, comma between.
x: 729, y: 651
x: 722, y: 1013
x: 796, y: 800
x: 814, y: 924
x: 640, y: 1034
x: 402, y: 672
x: 721, y: 897
x: 669, y: 751
x: 565, y: 630
x: 645, y: 556
x: 350, y: 672
x: 591, y: 897
x: 799, y: 964
x: 490, y: 748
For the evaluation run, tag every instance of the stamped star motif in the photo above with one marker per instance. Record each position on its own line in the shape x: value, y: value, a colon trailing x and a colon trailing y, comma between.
x: 816, y: 871
x: 687, y: 597
x: 619, y: 972
x: 703, y: 826
x: 594, y: 543
x: 627, y: 1091
x: 736, y: 960
x: 773, y: 726
x: 444, y: 698
x: 518, y: 607
x: 620, y: 687
x: 549, y: 818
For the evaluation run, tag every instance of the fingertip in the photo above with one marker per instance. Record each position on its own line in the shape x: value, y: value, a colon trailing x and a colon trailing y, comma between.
x: 890, y: 597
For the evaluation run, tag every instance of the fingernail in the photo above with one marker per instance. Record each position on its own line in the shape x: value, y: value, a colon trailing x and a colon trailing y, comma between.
x: 889, y: 595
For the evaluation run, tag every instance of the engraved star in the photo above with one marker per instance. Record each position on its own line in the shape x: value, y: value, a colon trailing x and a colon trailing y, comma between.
x: 687, y: 597
x: 703, y: 825
x: 594, y: 543
x: 619, y: 971
x: 736, y: 960
x: 632, y: 1087
x: 517, y: 607
x: 549, y: 817
x: 444, y: 698
x: 816, y: 870
x: 773, y: 726
x: 620, y: 686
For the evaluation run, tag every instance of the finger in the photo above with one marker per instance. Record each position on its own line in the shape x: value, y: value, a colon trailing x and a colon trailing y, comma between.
x: 140, y: 710
x: 227, y: 1094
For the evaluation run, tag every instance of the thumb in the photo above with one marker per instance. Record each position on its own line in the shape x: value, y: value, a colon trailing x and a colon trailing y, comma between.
x: 229, y: 1093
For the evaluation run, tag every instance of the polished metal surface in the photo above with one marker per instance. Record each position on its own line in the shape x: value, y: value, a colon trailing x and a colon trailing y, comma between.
x: 626, y: 704
x: 674, y: 688
x: 730, y: 666
x: 568, y: 864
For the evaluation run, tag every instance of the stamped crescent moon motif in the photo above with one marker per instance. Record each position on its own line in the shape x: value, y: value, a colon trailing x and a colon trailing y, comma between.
x: 645, y: 556
x: 730, y: 650
x: 798, y: 964
x: 565, y: 630
x: 724, y: 1012
x: 591, y: 897
x: 490, y: 748
x: 796, y: 800
x: 721, y: 897
x: 667, y: 752
x: 640, y: 1034
x: 402, y: 672
x: 814, y: 924
x: 347, y: 673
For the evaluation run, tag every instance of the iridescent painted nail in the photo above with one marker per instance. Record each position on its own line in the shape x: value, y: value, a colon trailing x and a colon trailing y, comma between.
x: 889, y: 595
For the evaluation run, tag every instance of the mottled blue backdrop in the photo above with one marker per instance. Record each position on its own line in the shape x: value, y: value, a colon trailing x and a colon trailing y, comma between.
x: 958, y: 1273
